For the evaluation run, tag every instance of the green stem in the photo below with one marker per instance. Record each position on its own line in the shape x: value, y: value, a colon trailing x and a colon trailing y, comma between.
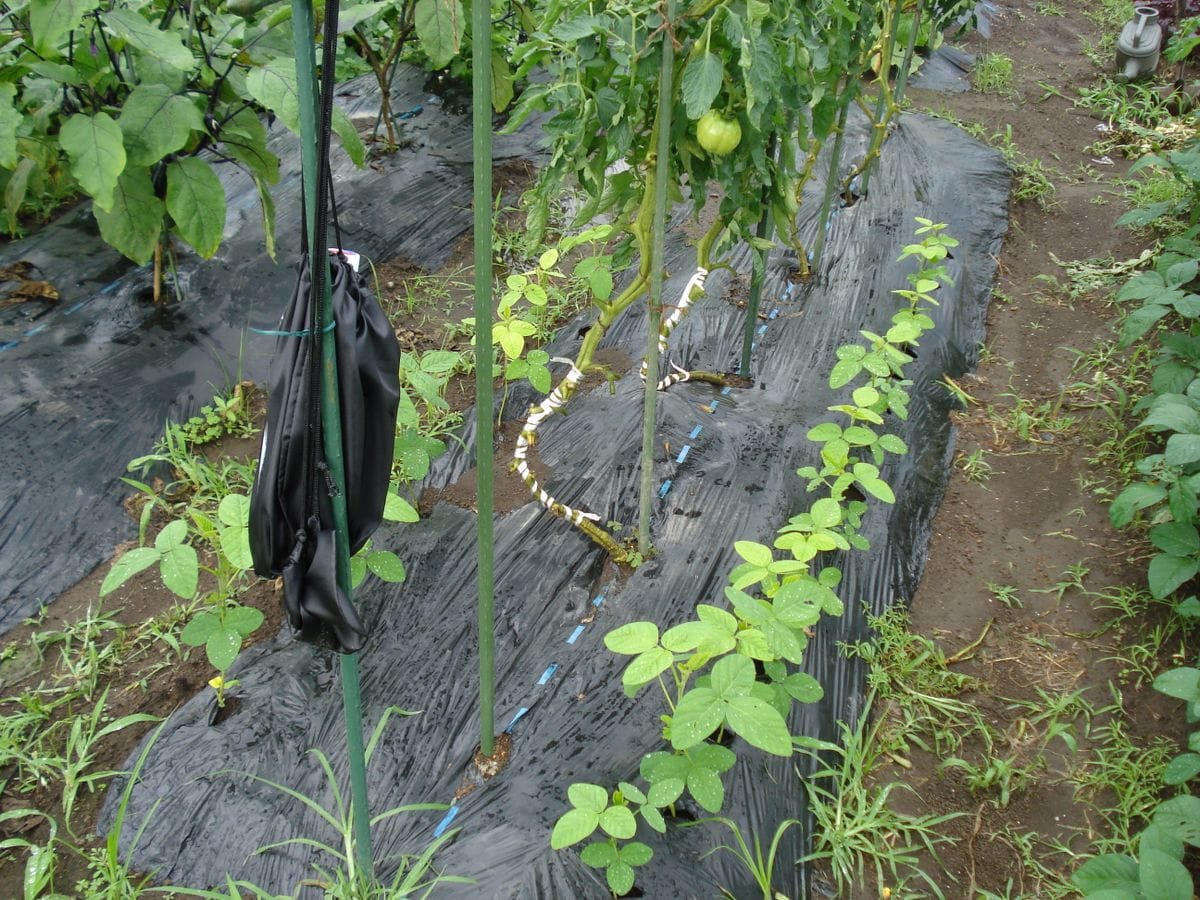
x: 835, y: 157
x: 481, y: 122
x: 885, y: 106
x: 909, y: 49
x: 662, y: 173
x: 758, y: 271
x: 331, y: 423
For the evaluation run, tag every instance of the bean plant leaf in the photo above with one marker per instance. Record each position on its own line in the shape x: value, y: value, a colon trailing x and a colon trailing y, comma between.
x: 134, y: 223
x: 387, y: 566
x: 706, y: 787
x: 1162, y: 877
x: 140, y: 32
x: 1135, y: 497
x: 573, y: 826
x: 645, y: 667
x: 222, y: 648
x: 196, y: 201
x: 754, y: 553
x: 50, y: 20
x: 760, y: 724
x: 201, y: 627
x: 180, y: 570
x: 1112, y: 870
x: 1182, y: 683
x: 619, y: 822
x: 599, y: 855
x: 155, y: 121
x: 245, y: 620
x: 1182, y: 768
x: 96, y: 148
x: 1182, y: 449
x: 632, y: 639
x: 397, y: 509
x: 1180, y: 816
x: 701, y: 83
x: 636, y: 853
x: 1167, y: 573
x: 130, y: 563
x: 440, y: 26
x: 234, y: 510
x: 698, y: 714
x: 620, y: 877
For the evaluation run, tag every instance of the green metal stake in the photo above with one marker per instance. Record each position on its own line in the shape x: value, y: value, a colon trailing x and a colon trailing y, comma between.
x: 835, y: 157
x: 481, y: 130
x: 909, y: 49
x: 662, y: 172
x: 885, y: 65
x: 331, y: 424
x: 759, y: 272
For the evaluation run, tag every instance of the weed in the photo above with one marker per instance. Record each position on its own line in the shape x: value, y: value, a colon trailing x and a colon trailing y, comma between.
x: 856, y: 826
x: 993, y: 74
x: 1005, y: 775
x: 1032, y: 179
x: 974, y: 467
x: 759, y: 865
x: 1005, y: 594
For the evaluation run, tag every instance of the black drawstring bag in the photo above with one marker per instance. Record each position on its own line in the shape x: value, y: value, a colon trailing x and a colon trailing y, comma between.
x: 291, y: 517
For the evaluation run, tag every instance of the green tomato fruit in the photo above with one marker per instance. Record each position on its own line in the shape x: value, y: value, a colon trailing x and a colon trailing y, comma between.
x: 718, y: 135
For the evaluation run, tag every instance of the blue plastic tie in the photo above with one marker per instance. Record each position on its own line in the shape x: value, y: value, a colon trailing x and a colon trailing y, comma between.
x: 446, y: 820
x: 774, y: 314
x: 598, y: 600
x: 726, y: 391
x: 520, y: 712
x: 791, y: 287
x: 712, y: 407
x: 35, y: 329
x: 9, y: 345
x: 75, y: 307
x: 683, y: 453
x: 412, y: 113
x: 666, y: 486
x: 575, y: 634
x: 696, y: 432
x: 762, y: 329
x: 307, y: 332
x: 549, y: 673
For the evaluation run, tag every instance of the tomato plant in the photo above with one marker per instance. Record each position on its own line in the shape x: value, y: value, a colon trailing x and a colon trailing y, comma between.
x: 717, y: 134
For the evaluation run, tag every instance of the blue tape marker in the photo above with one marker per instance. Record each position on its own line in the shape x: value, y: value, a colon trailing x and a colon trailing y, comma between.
x: 726, y: 391
x: 575, y: 634
x: 762, y: 328
x: 753, y: 345
x: 9, y: 345
x: 35, y: 329
x: 75, y: 307
x: 683, y: 453
x: 446, y: 820
x: 415, y: 111
x: 520, y: 712
x: 549, y: 673
x: 774, y: 314
x: 712, y: 407
x: 696, y: 432
x: 598, y: 600
x: 791, y: 287
x: 666, y: 486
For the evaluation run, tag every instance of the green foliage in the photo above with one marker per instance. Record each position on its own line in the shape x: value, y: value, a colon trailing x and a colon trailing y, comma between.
x: 1164, y: 307
x: 709, y: 667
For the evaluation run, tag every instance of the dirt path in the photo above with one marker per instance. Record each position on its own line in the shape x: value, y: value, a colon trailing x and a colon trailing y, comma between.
x: 1023, y: 554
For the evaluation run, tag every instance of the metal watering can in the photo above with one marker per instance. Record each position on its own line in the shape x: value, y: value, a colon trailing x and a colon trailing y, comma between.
x: 1137, y: 45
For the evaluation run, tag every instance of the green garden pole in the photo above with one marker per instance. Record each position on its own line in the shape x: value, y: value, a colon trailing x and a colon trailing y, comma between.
x: 885, y: 66
x: 909, y: 49
x: 662, y: 172
x: 758, y: 273
x: 331, y: 424
x: 481, y: 131
x: 835, y: 157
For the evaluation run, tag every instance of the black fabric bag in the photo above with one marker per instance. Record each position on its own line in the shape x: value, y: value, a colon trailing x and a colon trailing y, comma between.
x: 291, y: 518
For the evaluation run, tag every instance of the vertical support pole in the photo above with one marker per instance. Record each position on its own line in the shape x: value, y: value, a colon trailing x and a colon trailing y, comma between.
x: 662, y: 173
x: 759, y: 271
x: 331, y: 426
x: 835, y: 158
x: 481, y: 131
x: 909, y: 49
